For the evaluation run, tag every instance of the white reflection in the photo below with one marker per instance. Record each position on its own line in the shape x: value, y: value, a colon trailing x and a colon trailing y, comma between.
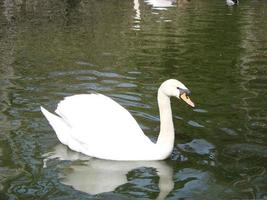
x: 137, y: 17
x: 156, y: 5
x: 96, y: 176
x: 137, y: 10
x: 161, y: 4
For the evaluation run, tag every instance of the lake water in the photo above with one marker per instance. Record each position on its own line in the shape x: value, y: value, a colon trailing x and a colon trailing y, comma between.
x: 125, y: 49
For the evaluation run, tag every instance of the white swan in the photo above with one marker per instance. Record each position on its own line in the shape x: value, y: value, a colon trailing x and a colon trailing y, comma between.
x: 97, y: 126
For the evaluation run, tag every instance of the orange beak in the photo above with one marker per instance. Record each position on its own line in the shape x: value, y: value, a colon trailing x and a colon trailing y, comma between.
x: 187, y: 100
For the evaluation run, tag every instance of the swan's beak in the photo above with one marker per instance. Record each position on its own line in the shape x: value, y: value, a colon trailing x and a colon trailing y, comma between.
x: 187, y: 100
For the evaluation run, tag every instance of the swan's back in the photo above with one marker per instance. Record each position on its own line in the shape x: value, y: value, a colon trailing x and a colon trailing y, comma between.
x: 99, y: 127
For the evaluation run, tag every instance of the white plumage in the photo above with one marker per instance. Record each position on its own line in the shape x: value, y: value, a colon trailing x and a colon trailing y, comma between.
x: 97, y: 126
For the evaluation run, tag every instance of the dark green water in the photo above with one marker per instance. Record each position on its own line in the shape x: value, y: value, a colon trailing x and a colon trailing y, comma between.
x: 125, y: 49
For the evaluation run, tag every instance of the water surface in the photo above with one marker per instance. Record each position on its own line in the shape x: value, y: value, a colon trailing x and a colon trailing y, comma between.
x: 125, y: 49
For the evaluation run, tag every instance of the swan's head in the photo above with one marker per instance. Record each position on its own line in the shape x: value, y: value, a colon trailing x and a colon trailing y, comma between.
x: 174, y: 88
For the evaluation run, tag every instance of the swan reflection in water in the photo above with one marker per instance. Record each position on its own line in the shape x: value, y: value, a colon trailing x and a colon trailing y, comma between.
x: 96, y: 176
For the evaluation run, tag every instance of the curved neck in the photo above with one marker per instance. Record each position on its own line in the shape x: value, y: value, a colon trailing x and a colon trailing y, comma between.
x: 166, y: 135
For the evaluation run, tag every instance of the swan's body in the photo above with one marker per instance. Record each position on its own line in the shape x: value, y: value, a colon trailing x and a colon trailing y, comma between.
x: 97, y: 126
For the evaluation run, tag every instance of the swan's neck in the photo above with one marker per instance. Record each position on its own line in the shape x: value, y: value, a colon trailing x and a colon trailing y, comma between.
x: 166, y: 135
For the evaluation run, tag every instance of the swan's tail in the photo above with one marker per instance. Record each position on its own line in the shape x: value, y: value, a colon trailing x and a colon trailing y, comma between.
x: 59, y: 125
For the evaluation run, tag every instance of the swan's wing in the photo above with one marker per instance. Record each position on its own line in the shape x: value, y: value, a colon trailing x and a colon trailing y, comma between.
x: 97, y: 119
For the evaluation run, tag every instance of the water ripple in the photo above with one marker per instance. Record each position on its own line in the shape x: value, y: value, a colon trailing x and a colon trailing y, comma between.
x: 195, y: 124
x: 199, y: 146
x: 84, y: 72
